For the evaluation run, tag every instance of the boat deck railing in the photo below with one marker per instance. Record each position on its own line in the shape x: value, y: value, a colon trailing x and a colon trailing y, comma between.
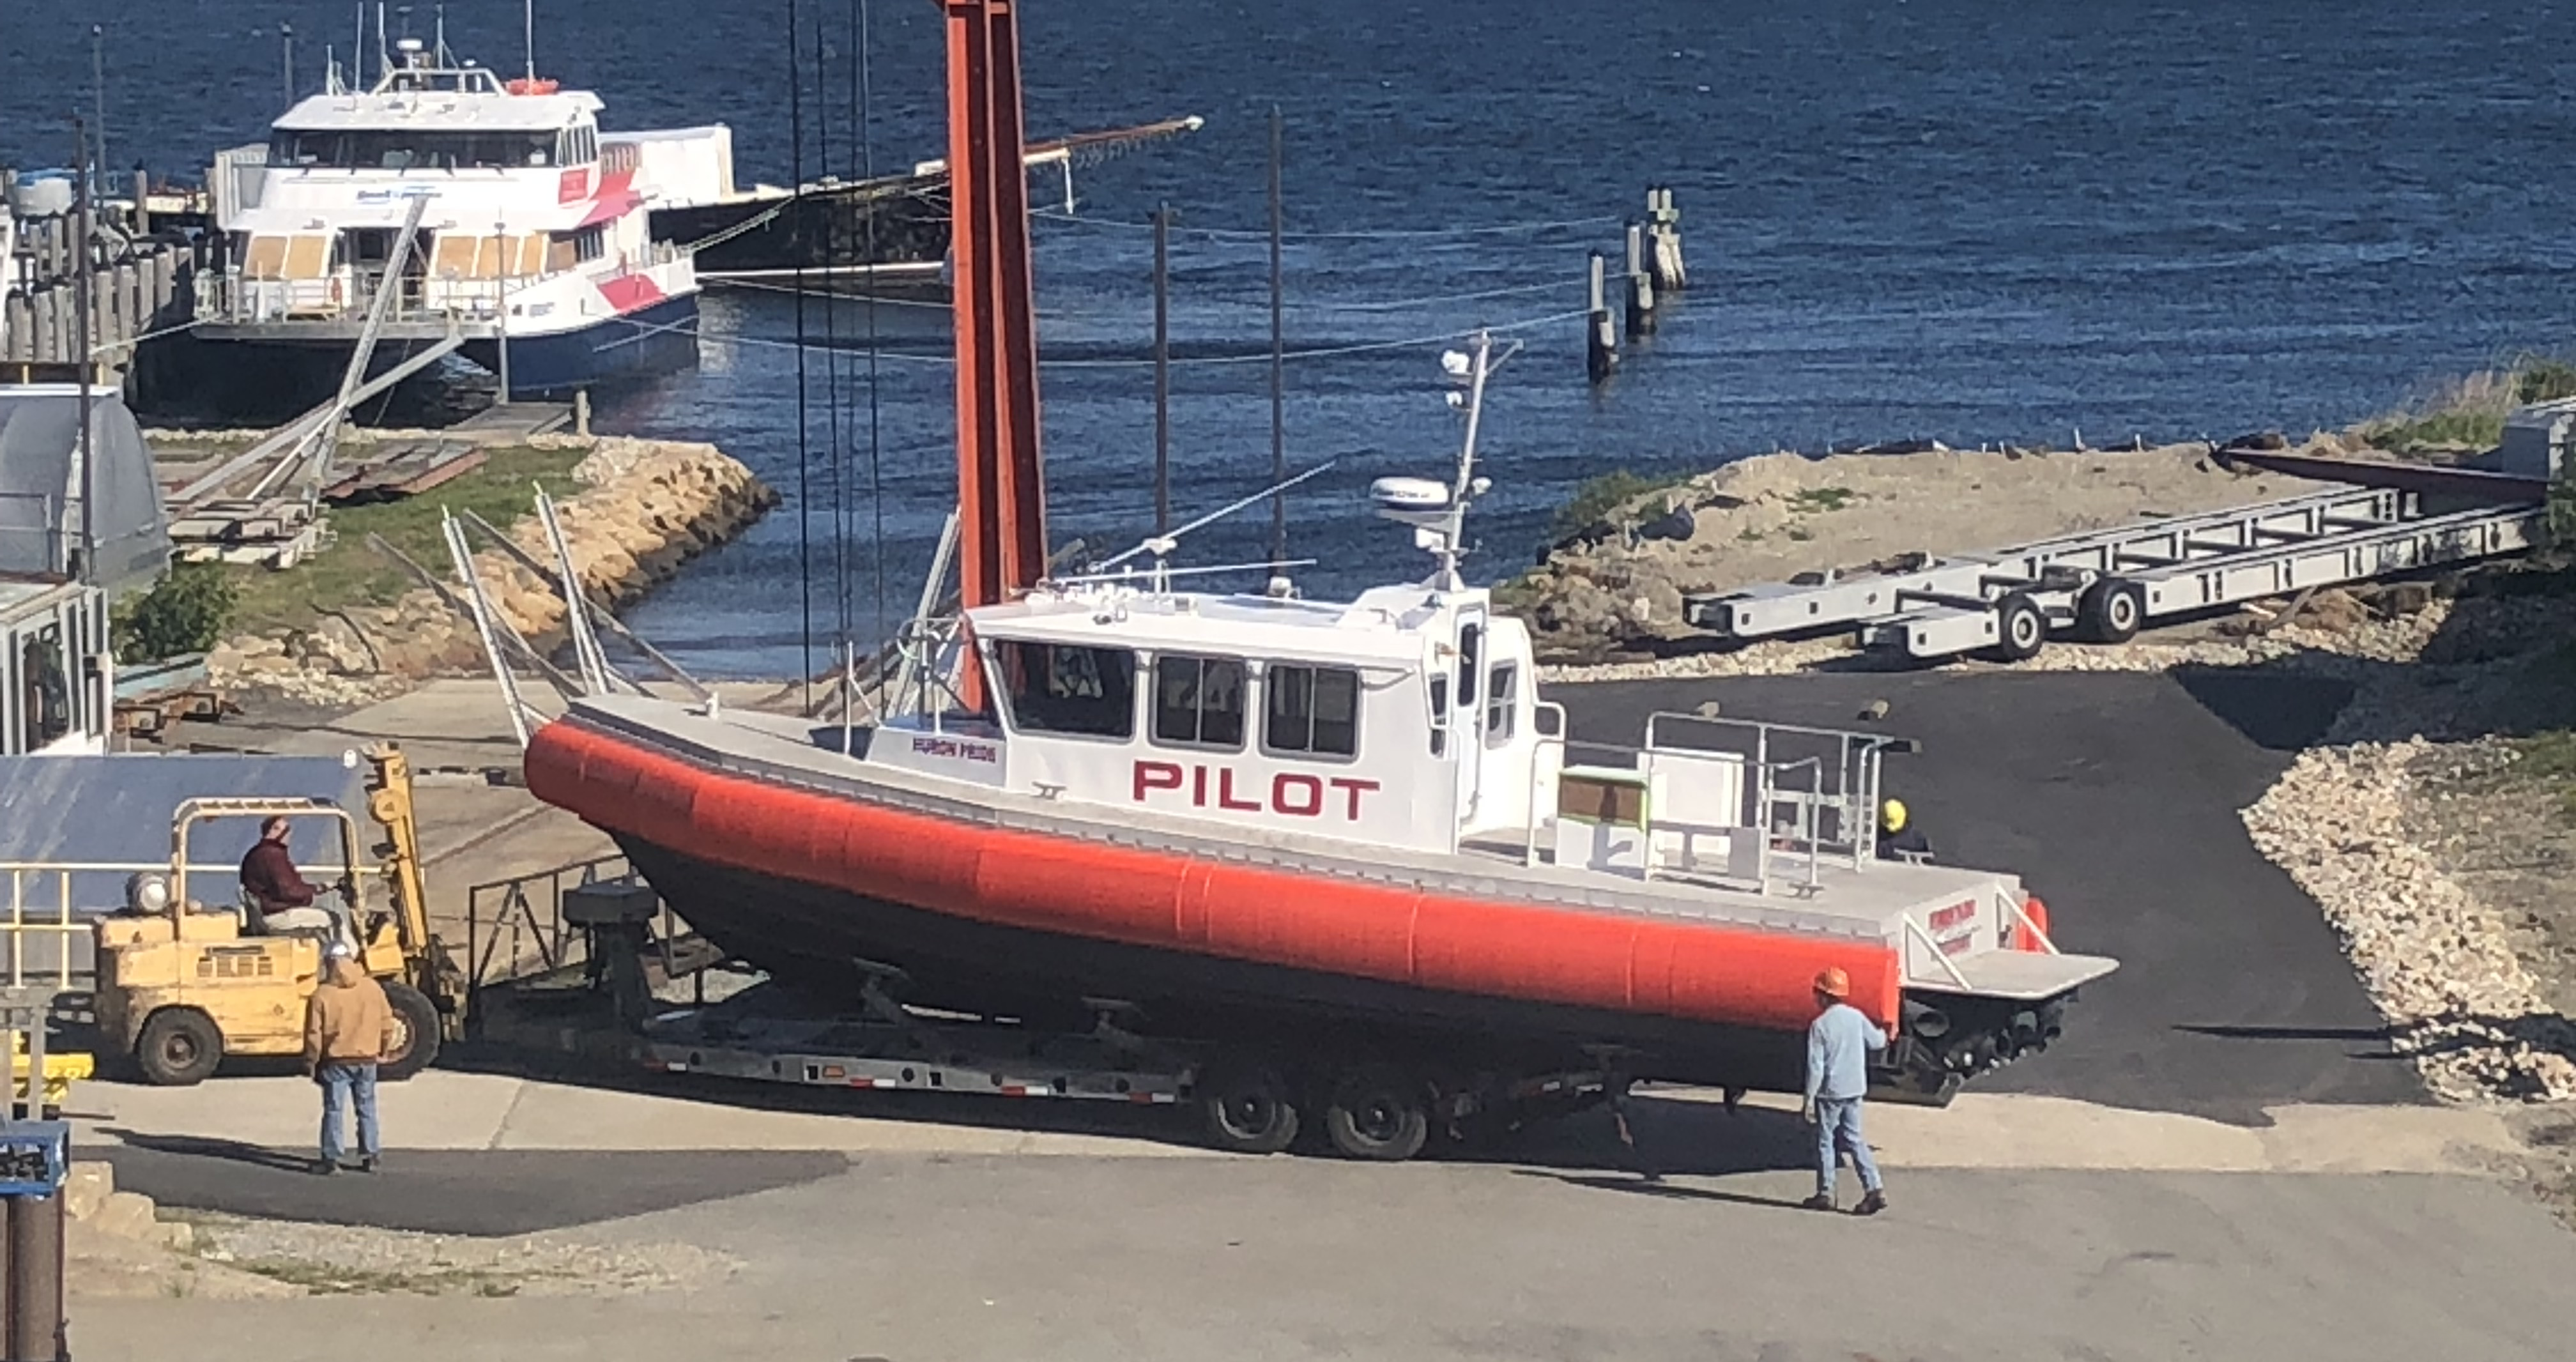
x: 1739, y: 804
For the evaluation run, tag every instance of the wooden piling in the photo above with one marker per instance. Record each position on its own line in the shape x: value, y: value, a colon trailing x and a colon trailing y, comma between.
x: 1601, y: 334
x: 1641, y: 286
x: 1664, y: 241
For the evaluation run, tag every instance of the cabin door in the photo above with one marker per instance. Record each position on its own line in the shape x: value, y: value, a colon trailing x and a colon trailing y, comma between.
x: 1466, y: 712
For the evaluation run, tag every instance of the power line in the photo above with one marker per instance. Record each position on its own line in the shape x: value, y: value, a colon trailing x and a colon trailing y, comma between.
x: 1391, y: 234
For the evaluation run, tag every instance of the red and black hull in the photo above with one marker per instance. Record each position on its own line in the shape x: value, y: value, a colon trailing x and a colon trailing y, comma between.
x: 810, y: 939
x: 807, y: 876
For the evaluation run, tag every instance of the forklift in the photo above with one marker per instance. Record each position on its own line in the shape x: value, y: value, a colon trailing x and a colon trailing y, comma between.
x: 182, y: 986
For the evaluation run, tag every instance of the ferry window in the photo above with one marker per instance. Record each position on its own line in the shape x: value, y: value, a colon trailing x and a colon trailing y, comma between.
x: 1498, y: 704
x: 1198, y: 701
x: 1058, y: 688
x: 590, y: 243
x: 1471, y: 642
x: 404, y: 149
x: 45, y: 699
x: 1312, y: 709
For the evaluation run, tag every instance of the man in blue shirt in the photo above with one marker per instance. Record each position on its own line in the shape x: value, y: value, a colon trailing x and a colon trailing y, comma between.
x: 1839, y: 1043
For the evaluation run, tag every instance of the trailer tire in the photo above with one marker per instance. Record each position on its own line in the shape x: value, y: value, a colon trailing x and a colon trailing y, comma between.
x: 2020, y: 629
x: 1378, y: 1113
x: 180, y: 1047
x: 2111, y: 610
x: 1249, y: 1108
x: 417, y: 1020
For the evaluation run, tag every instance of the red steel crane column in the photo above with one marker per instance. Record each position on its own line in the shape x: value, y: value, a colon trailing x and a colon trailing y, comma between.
x: 1001, y: 482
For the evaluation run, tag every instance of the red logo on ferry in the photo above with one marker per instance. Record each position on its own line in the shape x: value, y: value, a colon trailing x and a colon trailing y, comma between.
x: 1293, y: 793
x: 574, y: 186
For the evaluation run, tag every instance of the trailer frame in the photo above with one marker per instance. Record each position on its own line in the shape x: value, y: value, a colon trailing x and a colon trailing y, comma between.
x: 2105, y: 585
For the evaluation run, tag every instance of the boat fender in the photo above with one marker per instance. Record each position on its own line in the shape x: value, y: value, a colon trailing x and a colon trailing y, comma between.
x: 2024, y: 939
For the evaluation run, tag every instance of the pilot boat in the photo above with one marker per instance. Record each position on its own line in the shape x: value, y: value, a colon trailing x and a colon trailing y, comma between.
x: 1345, y: 847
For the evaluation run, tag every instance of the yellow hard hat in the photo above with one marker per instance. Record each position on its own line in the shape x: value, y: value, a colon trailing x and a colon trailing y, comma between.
x: 1891, y: 815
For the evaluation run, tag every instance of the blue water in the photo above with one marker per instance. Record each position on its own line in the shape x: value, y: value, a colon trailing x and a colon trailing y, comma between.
x: 1968, y: 221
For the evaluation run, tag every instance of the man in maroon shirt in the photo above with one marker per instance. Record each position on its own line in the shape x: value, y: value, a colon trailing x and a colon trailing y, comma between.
x: 270, y: 880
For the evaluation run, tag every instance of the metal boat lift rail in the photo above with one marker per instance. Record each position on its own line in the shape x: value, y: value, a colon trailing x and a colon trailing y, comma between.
x: 2106, y: 585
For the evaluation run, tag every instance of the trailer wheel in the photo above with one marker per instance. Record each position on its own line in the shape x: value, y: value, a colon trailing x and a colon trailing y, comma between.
x: 2020, y: 629
x: 416, y: 1033
x: 2111, y: 611
x: 180, y: 1047
x: 1378, y: 1113
x: 1249, y: 1108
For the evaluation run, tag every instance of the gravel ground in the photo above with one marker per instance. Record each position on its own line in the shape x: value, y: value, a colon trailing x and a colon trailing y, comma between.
x: 340, y: 1259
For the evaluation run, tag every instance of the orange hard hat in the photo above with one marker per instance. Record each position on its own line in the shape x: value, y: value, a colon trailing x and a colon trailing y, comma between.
x: 1833, y: 983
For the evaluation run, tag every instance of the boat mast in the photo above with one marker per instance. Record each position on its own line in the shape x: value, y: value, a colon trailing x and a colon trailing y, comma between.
x: 1001, y: 488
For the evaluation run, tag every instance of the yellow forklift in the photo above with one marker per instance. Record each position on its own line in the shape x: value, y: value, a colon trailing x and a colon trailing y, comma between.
x: 182, y: 986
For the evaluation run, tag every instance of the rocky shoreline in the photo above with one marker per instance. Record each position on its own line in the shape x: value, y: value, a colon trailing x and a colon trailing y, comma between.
x: 645, y: 508
x: 1612, y: 591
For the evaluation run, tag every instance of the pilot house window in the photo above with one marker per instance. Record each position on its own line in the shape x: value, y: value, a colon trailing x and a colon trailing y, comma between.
x: 1198, y: 701
x: 1312, y: 709
x: 1059, y: 688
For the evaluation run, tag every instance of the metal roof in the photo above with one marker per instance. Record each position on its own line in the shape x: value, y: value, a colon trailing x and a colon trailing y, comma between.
x: 115, y: 810
x: 40, y: 485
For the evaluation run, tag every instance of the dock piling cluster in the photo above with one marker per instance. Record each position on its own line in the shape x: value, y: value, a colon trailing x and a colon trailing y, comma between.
x: 1655, y: 271
x: 135, y: 283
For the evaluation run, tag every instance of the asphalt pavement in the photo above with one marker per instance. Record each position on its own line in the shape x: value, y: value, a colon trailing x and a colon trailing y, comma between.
x: 2115, y: 797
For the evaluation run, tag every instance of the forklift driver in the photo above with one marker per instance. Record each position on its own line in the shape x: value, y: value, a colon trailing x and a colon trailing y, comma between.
x: 279, y: 898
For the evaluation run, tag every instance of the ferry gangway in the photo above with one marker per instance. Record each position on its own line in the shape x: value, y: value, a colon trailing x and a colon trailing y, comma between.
x: 2104, y: 586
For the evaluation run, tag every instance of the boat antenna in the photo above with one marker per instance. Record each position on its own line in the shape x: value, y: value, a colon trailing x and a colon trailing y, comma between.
x: 1163, y: 374
x: 384, y: 55
x: 286, y: 35
x: 1278, y: 355
x: 528, y: 35
x: 438, y: 39
x: 1161, y: 545
x: 868, y: 262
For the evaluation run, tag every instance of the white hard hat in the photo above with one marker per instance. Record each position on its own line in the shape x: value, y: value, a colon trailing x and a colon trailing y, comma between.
x: 339, y: 950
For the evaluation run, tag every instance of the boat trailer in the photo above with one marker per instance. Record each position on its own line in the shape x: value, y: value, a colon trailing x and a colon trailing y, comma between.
x: 2104, y: 586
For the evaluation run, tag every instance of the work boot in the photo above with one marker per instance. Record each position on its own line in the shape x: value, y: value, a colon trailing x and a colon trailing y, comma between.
x: 324, y: 1168
x: 367, y: 1163
x: 1871, y: 1204
x: 1818, y: 1202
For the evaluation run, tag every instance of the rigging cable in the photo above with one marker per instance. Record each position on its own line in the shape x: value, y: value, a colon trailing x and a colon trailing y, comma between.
x: 804, y: 475
x: 834, y: 362
x: 868, y: 170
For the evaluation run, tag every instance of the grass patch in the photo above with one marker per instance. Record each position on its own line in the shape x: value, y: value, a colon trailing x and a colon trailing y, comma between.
x: 1815, y: 500
x: 1598, y: 498
x: 348, y: 573
x: 2549, y: 761
x: 2470, y: 412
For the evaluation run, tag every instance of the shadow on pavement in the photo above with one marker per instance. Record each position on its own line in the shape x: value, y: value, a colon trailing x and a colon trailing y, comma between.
x: 1668, y: 1191
x: 463, y: 1192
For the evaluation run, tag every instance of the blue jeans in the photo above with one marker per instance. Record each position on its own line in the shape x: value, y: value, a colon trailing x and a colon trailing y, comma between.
x: 1838, y: 1128
x: 339, y: 1083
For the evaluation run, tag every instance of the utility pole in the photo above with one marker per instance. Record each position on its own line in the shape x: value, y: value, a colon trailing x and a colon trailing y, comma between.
x: 98, y: 92
x: 81, y: 291
x: 1278, y: 354
x: 1162, y: 369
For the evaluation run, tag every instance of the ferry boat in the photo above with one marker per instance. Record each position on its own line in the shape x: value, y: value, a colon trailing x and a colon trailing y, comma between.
x: 532, y: 252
